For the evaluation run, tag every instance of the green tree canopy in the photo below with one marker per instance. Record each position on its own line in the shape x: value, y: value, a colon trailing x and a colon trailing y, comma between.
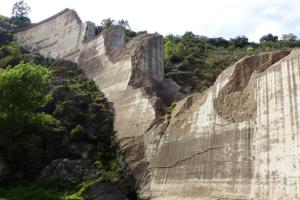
x: 23, y: 90
x: 218, y: 42
x: 20, y: 9
x: 268, y: 38
x: 107, y: 23
x: 289, y: 37
x: 124, y: 23
x: 239, y: 41
x: 20, y: 13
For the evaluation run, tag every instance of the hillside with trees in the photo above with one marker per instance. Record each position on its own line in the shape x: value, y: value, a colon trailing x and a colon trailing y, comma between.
x: 57, y: 139
x: 194, y: 61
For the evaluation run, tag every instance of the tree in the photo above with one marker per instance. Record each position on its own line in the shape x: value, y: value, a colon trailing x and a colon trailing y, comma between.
x: 239, y: 41
x: 169, y: 50
x: 218, y: 42
x: 289, y: 37
x: 124, y: 23
x: 20, y: 9
x: 23, y: 90
x: 268, y: 38
x: 20, y: 13
x: 107, y: 23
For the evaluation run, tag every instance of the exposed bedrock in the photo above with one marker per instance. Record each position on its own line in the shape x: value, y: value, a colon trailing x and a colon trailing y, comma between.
x: 130, y: 74
x: 237, y: 140
x: 206, y: 153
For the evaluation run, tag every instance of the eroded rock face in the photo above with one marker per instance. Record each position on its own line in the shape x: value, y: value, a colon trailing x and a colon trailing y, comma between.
x: 204, y: 154
x: 237, y: 140
x: 130, y: 75
x: 69, y: 172
x: 104, y: 191
x: 236, y: 100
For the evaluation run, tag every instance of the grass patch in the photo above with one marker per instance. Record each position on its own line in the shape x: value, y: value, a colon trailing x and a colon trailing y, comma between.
x: 34, y: 191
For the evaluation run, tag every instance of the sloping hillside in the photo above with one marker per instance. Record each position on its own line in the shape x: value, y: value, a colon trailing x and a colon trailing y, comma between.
x: 73, y: 151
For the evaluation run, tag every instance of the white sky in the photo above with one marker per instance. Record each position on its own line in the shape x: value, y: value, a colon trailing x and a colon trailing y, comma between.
x: 212, y: 18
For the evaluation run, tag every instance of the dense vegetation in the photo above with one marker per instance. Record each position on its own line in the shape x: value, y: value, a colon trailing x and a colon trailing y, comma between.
x: 195, y: 61
x: 108, y: 23
x: 49, y: 110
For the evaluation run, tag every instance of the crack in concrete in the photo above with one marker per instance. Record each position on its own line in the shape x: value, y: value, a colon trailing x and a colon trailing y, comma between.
x: 190, y: 157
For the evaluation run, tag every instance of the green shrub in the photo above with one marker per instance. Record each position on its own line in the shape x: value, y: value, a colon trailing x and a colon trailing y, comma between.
x: 59, y: 108
x: 78, y: 133
x: 23, y: 90
x: 2, y: 17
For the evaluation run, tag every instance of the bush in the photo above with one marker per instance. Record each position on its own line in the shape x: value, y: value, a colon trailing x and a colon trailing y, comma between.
x: 5, y: 37
x: 23, y: 91
x: 20, y: 21
x: 10, y: 54
x: 3, y: 17
x: 78, y: 133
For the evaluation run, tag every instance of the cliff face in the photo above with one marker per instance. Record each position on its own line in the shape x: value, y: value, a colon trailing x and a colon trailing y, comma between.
x: 130, y: 75
x: 237, y: 140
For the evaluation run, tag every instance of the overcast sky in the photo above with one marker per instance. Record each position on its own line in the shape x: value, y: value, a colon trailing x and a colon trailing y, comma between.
x: 213, y: 18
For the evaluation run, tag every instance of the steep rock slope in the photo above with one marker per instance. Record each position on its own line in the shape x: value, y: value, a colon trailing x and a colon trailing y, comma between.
x: 130, y: 75
x: 237, y: 140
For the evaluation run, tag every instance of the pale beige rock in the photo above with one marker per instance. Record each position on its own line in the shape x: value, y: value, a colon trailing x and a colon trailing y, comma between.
x: 237, y: 140
x: 130, y: 75
x: 204, y: 156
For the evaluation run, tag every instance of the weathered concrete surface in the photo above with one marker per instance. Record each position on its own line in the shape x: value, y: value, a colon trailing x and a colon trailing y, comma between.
x: 237, y: 140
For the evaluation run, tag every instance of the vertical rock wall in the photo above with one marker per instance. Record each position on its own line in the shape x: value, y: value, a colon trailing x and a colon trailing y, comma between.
x: 120, y: 71
x: 57, y: 37
x: 126, y: 73
x: 276, y: 140
x: 237, y: 140
x: 203, y: 156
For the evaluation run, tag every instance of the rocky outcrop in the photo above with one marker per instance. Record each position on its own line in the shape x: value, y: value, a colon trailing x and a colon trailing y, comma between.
x: 73, y: 172
x: 247, y: 151
x: 237, y: 140
x: 104, y: 191
x: 69, y: 172
x: 235, y: 101
x: 130, y: 75
x: 5, y: 28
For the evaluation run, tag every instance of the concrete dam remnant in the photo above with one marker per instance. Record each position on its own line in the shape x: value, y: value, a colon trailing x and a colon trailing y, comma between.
x: 240, y: 139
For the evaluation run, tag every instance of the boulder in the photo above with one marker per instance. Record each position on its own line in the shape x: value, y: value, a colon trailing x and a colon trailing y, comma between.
x: 69, y: 172
x: 104, y: 191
